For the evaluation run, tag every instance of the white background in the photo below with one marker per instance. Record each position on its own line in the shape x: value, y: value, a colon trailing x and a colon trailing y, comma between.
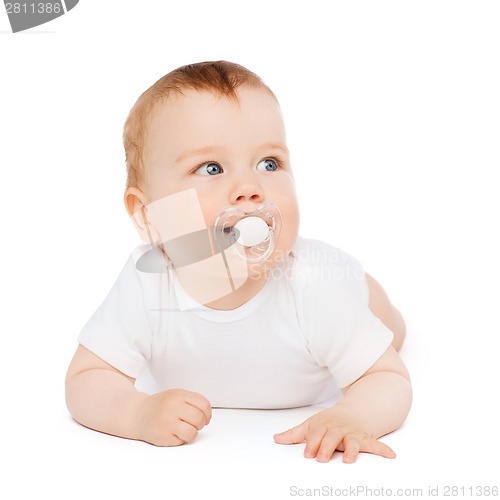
x: 393, y: 116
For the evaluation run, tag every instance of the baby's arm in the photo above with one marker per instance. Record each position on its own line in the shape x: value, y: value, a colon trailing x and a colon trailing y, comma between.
x: 381, y: 306
x: 374, y: 405
x: 105, y: 399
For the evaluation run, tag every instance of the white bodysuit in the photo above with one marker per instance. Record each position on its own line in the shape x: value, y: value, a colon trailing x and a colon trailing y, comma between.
x: 306, y: 334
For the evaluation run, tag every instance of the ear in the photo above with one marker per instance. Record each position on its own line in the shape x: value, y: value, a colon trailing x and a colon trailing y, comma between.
x: 136, y: 204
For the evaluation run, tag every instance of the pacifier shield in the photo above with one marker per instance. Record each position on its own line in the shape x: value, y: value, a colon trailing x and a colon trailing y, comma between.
x: 253, y: 234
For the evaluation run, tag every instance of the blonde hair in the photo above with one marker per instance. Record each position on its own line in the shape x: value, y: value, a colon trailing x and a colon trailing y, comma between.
x: 219, y: 77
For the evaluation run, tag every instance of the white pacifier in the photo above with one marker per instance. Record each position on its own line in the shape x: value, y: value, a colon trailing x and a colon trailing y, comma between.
x: 252, y: 235
x: 251, y: 231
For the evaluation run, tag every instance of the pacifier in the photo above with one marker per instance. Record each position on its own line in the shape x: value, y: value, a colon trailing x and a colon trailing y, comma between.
x: 252, y: 235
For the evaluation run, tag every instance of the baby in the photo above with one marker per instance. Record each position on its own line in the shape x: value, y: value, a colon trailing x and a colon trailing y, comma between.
x: 225, y: 305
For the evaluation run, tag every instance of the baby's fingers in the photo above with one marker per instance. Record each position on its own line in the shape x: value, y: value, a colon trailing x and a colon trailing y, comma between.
x: 328, y: 444
x: 351, y: 449
x: 352, y: 445
x: 371, y: 445
x: 294, y: 435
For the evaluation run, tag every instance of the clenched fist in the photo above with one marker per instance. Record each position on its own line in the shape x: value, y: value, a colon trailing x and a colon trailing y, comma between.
x: 172, y: 418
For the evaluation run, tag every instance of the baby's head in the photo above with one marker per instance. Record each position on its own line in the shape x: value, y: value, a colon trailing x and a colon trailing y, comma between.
x: 214, y: 127
x: 221, y: 79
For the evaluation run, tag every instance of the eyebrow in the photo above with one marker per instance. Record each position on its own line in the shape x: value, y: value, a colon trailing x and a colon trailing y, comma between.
x: 196, y: 152
x: 281, y: 147
x: 213, y: 149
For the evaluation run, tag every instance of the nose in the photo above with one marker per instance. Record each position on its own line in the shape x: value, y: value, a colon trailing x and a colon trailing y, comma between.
x: 246, y: 190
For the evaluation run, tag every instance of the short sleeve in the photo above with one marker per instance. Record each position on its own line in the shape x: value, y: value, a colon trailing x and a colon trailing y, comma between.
x: 120, y: 332
x: 341, y: 331
x: 358, y: 347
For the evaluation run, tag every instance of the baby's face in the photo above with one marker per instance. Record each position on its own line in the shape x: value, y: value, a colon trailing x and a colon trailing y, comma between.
x: 233, y: 153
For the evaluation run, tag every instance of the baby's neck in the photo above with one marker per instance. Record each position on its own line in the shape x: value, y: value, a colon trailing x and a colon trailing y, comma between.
x: 243, y: 294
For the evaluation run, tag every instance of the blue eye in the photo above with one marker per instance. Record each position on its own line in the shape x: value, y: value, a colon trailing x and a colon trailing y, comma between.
x: 268, y: 164
x: 209, y: 169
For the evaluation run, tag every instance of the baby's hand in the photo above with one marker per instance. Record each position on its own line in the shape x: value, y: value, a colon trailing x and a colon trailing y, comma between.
x: 328, y: 431
x: 172, y: 417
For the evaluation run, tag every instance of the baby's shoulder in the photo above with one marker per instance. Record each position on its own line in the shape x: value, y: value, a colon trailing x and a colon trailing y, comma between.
x: 145, y: 269
x: 326, y: 272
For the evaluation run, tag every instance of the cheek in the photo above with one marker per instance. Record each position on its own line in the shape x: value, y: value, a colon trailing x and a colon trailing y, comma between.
x: 290, y: 209
x: 210, y: 206
x: 213, y: 211
x: 290, y: 221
